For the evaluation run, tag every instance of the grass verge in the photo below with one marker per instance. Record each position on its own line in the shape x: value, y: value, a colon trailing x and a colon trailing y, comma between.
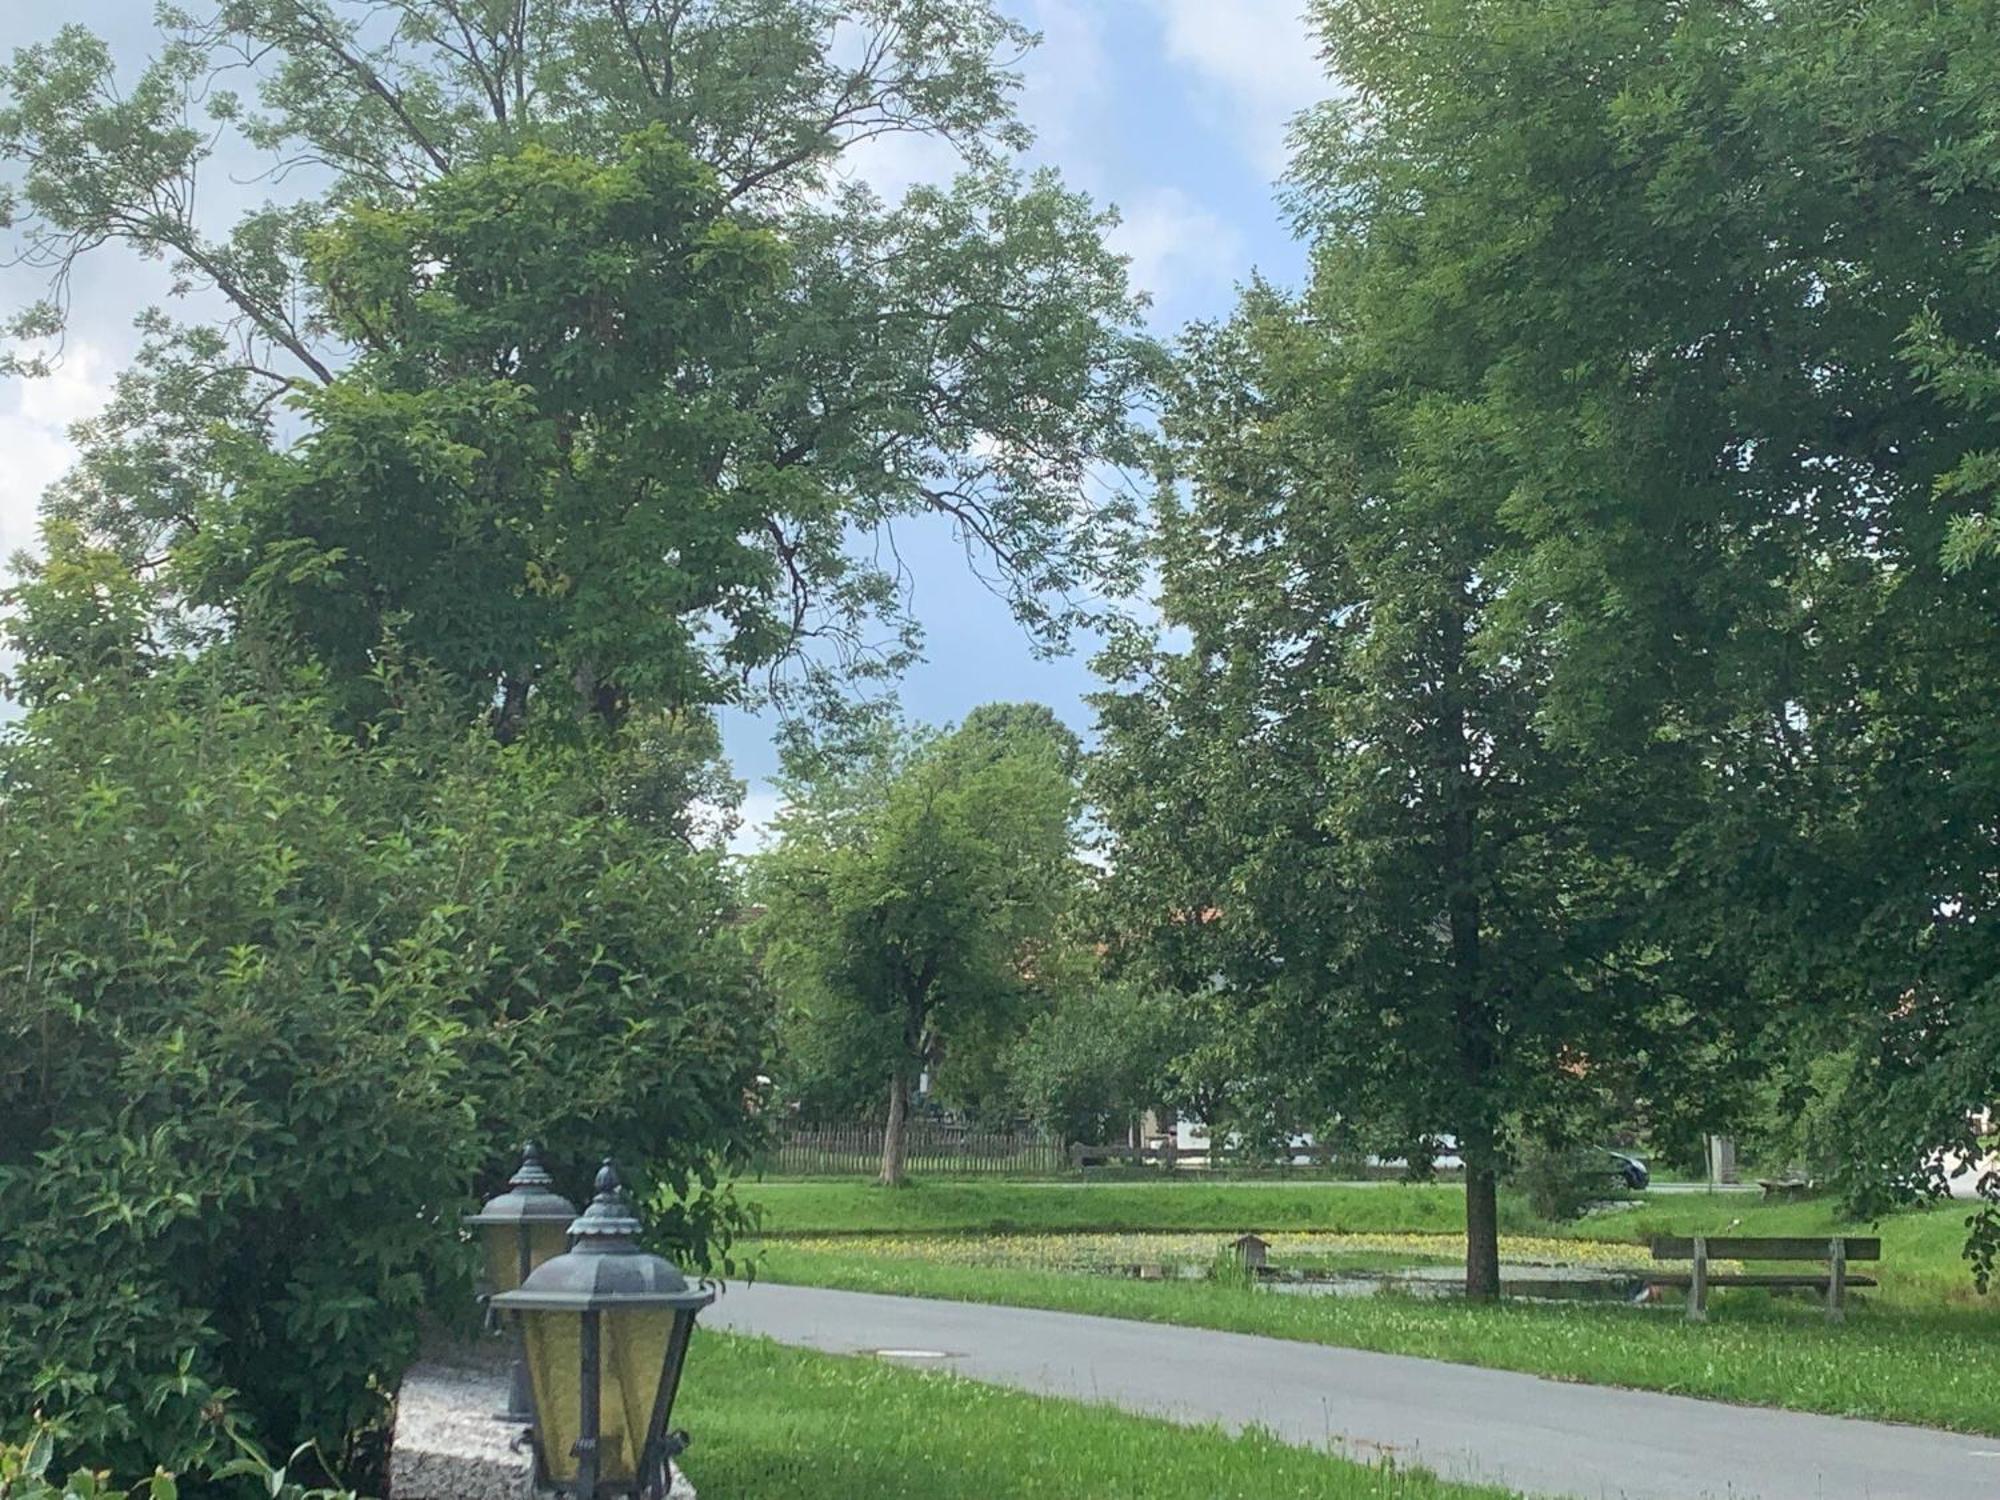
x: 785, y: 1424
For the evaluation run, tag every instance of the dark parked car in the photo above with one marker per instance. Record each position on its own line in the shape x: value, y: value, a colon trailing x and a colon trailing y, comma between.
x: 1629, y: 1170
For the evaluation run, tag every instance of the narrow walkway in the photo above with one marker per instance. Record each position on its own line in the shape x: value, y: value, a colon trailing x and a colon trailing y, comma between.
x: 1529, y: 1434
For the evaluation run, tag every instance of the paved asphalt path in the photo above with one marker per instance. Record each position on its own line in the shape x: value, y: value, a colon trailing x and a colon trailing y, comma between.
x: 1520, y: 1431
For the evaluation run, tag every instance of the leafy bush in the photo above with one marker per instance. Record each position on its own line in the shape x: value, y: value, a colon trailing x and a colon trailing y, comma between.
x: 274, y: 999
x: 24, y: 1475
x: 1086, y: 1069
x: 1562, y: 1182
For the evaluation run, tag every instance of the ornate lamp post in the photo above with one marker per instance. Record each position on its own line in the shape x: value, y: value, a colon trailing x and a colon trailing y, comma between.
x: 606, y: 1328
x: 518, y: 1230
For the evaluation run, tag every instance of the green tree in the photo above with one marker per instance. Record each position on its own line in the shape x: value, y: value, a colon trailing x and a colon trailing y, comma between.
x: 1724, y: 284
x: 913, y: 891
x: 1682, y: 319
x: 1333, y: 808
x: 580, y: 297
x: 523, y: 477
x: 1010, y: 724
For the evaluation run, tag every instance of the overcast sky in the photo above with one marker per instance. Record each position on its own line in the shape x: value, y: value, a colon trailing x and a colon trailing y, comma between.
x: 1173, y: 110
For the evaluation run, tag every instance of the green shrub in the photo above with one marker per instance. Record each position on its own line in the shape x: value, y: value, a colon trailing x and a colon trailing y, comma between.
x: 1561, y: 1182
x: 24, y: 1475
x: 275, y: 999
x: 1087, y: 1068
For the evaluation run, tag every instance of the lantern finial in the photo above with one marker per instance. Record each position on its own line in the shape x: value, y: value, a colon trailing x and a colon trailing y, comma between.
x: 610, y: 1224
x: 531, y: 1173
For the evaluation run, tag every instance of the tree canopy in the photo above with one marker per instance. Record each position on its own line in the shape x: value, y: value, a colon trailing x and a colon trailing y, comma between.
x: 576, y: 294
x: 1724, y: 283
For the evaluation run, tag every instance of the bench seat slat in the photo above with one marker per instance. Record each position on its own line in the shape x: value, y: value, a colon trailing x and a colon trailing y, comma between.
x: 1768, y: 1248
x: 1752, y: 1278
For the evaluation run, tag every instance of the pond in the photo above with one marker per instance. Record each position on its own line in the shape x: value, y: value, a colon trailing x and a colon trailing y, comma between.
x: 1301, y: 1264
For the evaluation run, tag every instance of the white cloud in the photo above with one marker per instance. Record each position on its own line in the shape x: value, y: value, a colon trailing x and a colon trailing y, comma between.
x: 1261, y: 62
x: 1180, y: 251
x: 35, y: 418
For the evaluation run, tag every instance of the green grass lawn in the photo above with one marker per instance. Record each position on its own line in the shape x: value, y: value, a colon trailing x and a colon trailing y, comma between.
x: 1924, y: 1348
x: 784, y: 1424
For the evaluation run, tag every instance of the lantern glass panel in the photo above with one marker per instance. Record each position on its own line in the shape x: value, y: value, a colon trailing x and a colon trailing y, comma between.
x: 502, y: 1246
x: 634, y: 1350
x: 546, y: 1242
x: 554, y: 1343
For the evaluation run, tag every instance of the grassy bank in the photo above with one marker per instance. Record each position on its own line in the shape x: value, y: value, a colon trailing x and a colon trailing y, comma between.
x: 1923, y: 1348
x: 1922, y: 1265
x: 784, y: 1424
x: 1072, y: 1207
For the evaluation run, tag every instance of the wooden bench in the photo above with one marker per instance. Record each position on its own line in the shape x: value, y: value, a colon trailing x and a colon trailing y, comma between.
x: 1834, y: 1281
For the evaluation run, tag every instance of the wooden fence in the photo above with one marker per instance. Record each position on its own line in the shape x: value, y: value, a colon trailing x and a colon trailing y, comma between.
x: 941, y: 1150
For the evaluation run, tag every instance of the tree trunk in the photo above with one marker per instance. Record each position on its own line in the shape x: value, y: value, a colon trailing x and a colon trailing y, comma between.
x: 896, y: 1134
x: 1473, y: 1022
x: 1482, y: 1219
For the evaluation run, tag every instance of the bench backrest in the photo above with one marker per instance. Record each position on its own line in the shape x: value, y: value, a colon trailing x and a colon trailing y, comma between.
x: 1769, y: 1248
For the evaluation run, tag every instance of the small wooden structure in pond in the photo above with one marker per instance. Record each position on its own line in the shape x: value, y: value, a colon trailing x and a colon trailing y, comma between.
x: 1252, y: 1251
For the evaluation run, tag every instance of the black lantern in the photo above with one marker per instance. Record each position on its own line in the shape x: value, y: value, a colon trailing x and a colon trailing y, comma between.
x: 606, y: 1329
x: 524, y: 1226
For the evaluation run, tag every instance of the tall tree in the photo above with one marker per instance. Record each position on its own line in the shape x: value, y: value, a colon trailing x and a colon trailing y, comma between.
x: 525, y: 476
x: 965, y: 354
x: 910, y: 893
x: 1334, y: 804
x: 1725, y: 279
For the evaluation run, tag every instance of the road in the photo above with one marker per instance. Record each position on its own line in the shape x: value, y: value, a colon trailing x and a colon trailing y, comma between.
x: 1533, y: 1435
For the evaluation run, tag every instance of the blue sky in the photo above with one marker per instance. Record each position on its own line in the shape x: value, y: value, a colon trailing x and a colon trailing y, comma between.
x: 1173, y: 110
